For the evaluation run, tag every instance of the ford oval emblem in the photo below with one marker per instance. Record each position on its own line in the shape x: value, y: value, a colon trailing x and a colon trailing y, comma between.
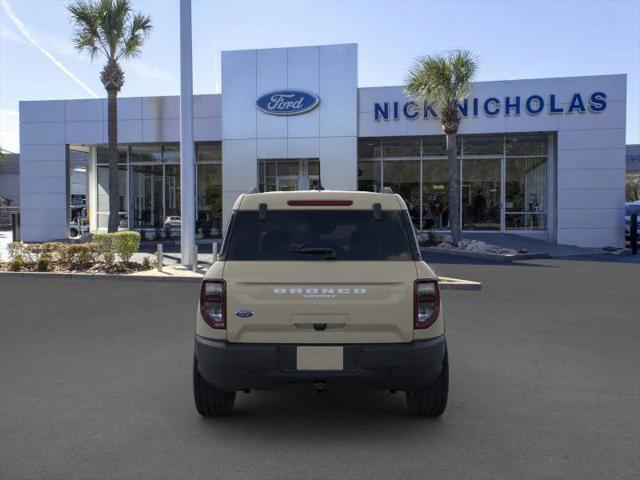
x: 287, y: 102
x: 244, y: 313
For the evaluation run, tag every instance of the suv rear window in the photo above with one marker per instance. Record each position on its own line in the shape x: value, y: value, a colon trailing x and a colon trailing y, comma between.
x: 320, y: 235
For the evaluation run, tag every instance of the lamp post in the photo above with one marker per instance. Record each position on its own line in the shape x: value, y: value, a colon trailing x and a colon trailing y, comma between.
x: 187, y: 147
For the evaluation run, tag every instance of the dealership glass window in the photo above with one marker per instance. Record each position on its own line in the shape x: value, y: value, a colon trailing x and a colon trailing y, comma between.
x: 102, y: 174
x: 146, y: 194
x: 400, y: 170
x: 522, y: 145
x: 482, y: 145
x: 526, y: 193
x: 401, y: 147
x: 481, y: 194
x: 369, y: 176
x: 172, y: 190
x: 288, y: 174
x: 209, y: 189
x: 145, y: 152
x: 403, y: 176
x: 435, y: 146
x: 435, y: 194
x: 102, y: 203
x: 369, y: 164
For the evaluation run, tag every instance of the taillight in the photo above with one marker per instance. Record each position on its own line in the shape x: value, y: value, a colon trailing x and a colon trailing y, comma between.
x: 213, y: 303
x: 426, y: 303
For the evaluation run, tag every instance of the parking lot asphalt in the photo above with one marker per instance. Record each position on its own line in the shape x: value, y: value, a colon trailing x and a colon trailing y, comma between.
x: 95, y: 382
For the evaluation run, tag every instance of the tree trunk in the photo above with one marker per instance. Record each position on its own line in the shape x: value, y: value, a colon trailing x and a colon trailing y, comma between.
x: 454, y: 188
x: 114, y: 193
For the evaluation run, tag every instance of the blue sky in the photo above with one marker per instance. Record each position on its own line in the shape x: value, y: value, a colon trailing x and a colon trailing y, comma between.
x: 513, y: 40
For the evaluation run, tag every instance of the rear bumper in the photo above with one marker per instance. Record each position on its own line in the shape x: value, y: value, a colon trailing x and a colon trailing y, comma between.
x: 387, y: 366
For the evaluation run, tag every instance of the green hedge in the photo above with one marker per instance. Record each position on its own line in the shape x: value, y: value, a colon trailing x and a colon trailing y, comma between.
x: 126, y: 244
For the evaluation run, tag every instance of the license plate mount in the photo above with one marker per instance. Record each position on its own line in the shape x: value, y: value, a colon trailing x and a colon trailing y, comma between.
x: 320, y: 358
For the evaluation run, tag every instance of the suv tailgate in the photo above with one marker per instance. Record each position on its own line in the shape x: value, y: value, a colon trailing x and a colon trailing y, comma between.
x: 352, y: 301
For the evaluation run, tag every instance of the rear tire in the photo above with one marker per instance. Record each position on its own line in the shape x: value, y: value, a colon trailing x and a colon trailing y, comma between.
x: 210, y: 402
x: 432, y: 400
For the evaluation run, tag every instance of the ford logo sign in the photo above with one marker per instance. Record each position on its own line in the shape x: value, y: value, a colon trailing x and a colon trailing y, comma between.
x: 287, y: 102
x: 244, y: 313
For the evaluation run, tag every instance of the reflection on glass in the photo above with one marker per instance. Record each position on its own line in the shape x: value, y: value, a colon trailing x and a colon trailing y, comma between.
x: 209, y: 152
x: 369, y: 148
x: 171, y: 153
x: 403, y: 176
x: 483, y: 145
x: 102, y: 153
x: 481, y: 194
x: 401, y: 147
x: 146, y: 193
x: 102, y: 203
x: 435, y: 194
x: 369, y: 176
x: 523, y: 144
x: 209, y: 192
x: 172, y: 190
x: 146, y: 152
x: 525, y: 193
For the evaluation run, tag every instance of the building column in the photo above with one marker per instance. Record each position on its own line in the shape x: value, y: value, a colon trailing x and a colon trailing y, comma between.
x: 187, y: 147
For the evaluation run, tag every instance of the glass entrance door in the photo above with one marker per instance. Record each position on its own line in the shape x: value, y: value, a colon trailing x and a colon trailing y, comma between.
x: 288, y: 175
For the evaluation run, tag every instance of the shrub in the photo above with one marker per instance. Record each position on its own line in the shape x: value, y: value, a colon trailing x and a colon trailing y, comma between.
x: 44, y: 263
x: 17, y: 249
x: 125, y: 244
x: 104, y: 246
x: 16, y: 263
x: 147, y: 264
x: 78, y: 256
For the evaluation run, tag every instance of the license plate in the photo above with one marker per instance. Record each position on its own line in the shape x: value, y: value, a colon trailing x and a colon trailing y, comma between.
x: 319, y: 358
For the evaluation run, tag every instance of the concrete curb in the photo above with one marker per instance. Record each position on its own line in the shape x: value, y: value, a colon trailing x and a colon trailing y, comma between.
x: 446, y: 283
x: 118, y: 277
x: 486, y: 256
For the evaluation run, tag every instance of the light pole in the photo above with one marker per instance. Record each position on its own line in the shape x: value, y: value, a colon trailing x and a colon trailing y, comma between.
x: 187, y: 147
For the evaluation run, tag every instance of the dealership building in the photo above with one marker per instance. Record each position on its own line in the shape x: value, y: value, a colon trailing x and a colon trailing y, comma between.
x: 542, y: 157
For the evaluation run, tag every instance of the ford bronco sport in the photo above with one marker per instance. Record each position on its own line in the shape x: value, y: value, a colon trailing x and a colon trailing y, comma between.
x: 320, y: 290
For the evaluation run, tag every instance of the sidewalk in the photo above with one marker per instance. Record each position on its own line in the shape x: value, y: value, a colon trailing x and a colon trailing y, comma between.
x: 532, y: 245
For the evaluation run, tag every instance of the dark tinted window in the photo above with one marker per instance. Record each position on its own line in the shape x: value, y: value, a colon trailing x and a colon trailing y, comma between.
x: 320, y: 235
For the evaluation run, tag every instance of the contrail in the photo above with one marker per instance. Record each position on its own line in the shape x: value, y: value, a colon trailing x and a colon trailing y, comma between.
x: 31, y: 38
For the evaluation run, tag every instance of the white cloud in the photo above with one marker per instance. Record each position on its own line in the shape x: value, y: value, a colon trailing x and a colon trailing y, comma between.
x: 31, y: 37
x: 9, y: 130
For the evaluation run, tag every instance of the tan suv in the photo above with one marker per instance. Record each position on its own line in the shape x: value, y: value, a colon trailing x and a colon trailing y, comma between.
x: 321, y: 290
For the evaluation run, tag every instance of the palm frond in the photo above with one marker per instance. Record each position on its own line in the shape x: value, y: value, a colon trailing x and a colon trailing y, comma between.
x: 109, y: 27
x: 442, y: 80
x: 139, y: 28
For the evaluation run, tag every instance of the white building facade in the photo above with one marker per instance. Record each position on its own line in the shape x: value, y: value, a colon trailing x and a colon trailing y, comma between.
x: 542, y: 157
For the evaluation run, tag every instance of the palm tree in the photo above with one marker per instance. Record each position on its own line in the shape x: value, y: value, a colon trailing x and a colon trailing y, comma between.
x: 444, y: 81
x: 112, y: 29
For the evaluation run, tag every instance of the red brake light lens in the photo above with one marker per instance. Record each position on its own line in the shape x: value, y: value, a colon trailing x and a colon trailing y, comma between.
x: 426, y: 303
x: 213, y: 294
x: 320, y: 203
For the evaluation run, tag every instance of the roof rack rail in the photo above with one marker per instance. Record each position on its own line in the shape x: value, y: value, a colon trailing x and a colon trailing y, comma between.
x: 253, y: 190
x: 387, y: 190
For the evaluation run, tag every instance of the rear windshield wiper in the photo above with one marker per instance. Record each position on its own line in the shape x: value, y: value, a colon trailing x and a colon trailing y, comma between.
x: 330, y: 253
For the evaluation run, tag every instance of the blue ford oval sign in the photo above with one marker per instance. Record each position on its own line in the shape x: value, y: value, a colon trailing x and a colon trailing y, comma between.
x: 244, y: 313
x: 287, y: 102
